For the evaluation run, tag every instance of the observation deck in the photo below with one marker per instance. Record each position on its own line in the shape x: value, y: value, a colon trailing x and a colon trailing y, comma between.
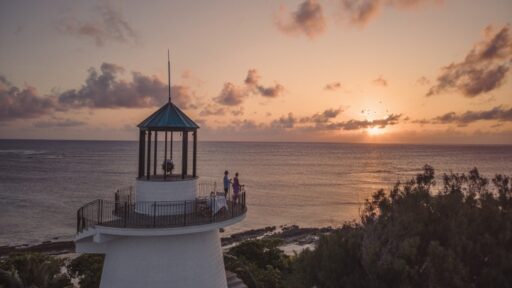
x: 157, y: 214
x: 168, y: 217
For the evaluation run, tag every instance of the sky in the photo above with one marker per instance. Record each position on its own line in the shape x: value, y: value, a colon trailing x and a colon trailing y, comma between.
x: 369, y: 71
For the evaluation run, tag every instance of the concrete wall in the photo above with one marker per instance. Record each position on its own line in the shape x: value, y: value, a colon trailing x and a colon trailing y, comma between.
x: 191, y: 260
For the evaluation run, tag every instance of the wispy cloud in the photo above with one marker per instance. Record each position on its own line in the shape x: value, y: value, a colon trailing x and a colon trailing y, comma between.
x: 498, y: 113
x: 361, y: 12
x: 483, y: 69
x: 109, y: 25
x: 326, y: 121
x: 352, y: 124
x: 380, y: 81
x: 308, y: 19
x: 59, y: 123
x: 423, y: 81
x: 333, y: 86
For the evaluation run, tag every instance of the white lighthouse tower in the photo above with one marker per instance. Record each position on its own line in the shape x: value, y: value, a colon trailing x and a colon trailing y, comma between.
x: 166, y: 235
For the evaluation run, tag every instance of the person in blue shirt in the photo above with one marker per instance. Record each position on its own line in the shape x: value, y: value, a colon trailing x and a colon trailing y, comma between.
x: 227, y: 181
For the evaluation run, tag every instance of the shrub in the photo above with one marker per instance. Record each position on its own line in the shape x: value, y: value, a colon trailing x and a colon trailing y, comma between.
x: 87, y: 268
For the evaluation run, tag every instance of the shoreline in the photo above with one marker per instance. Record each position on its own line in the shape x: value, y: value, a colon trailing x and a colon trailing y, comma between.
x: 290, y: 234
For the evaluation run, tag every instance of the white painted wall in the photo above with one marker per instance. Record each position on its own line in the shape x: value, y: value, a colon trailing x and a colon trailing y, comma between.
x: 191, y: 260
x: 148, y: 190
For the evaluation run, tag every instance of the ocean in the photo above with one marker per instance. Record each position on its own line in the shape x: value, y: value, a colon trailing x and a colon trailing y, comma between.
x: 43, y: 183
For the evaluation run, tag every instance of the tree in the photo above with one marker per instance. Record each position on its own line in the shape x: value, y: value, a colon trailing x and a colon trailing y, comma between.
x: 32, y: 270
x: 459, y: 236
x: 87, y: 268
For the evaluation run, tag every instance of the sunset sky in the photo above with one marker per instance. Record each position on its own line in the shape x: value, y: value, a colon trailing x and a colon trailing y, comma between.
x: 379, y: 71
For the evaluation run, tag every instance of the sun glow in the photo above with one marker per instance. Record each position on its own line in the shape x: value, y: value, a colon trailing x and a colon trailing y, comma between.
x: 373, y: 131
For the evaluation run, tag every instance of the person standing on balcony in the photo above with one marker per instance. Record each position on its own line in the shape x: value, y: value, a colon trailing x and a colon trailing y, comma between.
x: 236, y: 187
x: 227, y: 181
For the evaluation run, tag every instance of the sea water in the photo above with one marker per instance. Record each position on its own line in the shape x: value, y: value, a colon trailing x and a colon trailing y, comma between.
x: 43, y: 183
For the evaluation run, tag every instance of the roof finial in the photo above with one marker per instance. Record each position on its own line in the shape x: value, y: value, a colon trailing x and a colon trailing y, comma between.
x: 169, y: 73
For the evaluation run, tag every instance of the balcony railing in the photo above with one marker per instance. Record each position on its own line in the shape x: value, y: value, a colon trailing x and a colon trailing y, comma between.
x: 163, y: 214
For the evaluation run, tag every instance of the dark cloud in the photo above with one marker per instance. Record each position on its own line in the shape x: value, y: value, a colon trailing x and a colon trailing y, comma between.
x: 308, y: 19
x: 21, y: 103
x: 352, y: 124
x: 361, y: 12
x: 104, y: 89
x: 322, y: 118
x: 110, y: 26
x: 484, y: 68
x: 498, y: 113
x: 380, y: 81
x: 332, y: 86
x: 253, y: 82
x: 233, y: 95
x: 324, y: 121
x: 60, y: 123
x: 285, y: 122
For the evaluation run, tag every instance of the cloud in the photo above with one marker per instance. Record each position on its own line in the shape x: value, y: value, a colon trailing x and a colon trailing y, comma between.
x: 308, y: 20
x: 322, y: 118
x: 324, y: 121
x: 111, y: 26
x: 252, y: 82
x: 285, y: 122
x: 21, y: 103
x: 498, y: 113
x: 361, y: 12
x: 212, y: 110
x: 423, y: 81
x: 233, y: 95
x: 352, y: 124
x: 483, y: 69
x: 60, y: 123
x: 332, y: 86
x: 104, y: 89
x: 318, y: 122
x: 380, y: 81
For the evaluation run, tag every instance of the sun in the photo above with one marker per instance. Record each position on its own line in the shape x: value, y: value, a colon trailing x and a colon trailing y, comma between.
x: 374, y: 131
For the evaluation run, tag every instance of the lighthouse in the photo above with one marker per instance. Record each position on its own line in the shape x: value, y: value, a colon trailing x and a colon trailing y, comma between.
x: 164, y: 230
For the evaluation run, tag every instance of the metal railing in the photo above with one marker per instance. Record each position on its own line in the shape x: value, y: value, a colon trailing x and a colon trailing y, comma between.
x: 205, y: 188
x: 161, y: 214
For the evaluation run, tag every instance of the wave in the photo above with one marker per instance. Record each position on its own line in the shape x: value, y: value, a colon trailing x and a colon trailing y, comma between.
x: 22, y: 151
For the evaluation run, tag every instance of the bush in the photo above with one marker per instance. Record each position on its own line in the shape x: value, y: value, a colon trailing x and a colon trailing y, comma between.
x: 33, y: 270
x: 259, y: 263
x: 87, y: 268
x: 460, y: 236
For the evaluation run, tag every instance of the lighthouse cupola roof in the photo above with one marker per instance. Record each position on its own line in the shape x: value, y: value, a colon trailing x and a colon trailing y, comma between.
x: 168, y: 118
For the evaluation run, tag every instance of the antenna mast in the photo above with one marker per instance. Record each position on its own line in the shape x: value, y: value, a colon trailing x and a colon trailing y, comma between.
x: 169, y: 73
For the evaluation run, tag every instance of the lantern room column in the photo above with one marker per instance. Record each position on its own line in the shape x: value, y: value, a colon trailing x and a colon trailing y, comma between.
x: 142, y: 150
x: 184, y: 155
x: 148, y: 170
x: 194, y: 155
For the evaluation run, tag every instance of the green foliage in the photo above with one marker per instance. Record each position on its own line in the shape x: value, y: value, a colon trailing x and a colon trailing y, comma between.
x: 87, y: 268
x: 32, y: 270
x: 259, y: 263
x: 460, y: 236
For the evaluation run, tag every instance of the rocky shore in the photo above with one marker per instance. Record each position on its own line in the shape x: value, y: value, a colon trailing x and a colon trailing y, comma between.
x: 290, y: 234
